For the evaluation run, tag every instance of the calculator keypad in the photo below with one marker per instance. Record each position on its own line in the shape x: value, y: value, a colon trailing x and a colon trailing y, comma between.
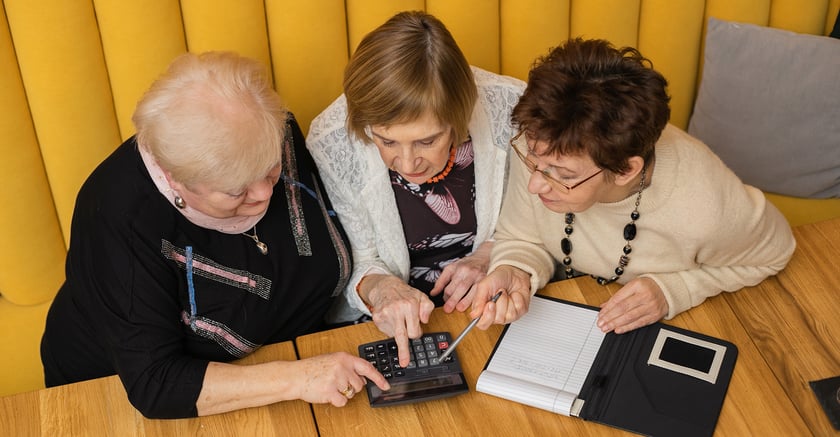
x: 425, y: 353
x: 425, y: 378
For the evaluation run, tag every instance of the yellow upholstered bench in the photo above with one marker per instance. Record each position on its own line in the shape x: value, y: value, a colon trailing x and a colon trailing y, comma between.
x: 72, y: 70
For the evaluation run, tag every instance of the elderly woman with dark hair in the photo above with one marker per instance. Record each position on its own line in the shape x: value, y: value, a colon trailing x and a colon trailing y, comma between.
x: 198, y: 240
x: 601, y: 184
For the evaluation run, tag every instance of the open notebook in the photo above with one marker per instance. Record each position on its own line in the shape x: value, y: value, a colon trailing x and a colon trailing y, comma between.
x: 655, y: 380
x: 545, y: 357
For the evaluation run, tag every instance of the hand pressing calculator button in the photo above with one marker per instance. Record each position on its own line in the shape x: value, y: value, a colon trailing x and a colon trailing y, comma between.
x: 424, y: 379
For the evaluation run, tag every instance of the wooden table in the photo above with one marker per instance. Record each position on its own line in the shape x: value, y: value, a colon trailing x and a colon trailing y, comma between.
x: 100, y: 407
x: 785, y: 328
x: 794, y: 320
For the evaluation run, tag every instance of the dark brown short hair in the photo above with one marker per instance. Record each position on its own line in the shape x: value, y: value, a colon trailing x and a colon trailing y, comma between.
x: 588, y: 97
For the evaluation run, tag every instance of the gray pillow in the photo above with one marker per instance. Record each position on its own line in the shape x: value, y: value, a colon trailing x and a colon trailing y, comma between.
x: 769, y: 106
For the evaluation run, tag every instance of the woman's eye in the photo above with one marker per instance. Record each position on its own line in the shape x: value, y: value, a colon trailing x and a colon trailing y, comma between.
x: 387, y: 143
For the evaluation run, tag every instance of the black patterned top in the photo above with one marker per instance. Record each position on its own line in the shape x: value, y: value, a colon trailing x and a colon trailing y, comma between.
x: 438, y: 219
x: 126, y: 308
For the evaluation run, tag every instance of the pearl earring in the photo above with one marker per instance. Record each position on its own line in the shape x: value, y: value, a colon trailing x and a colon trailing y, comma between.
x: 179, y: 202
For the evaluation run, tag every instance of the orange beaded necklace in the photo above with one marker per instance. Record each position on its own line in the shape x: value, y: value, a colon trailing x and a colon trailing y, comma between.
x: 442, y: 175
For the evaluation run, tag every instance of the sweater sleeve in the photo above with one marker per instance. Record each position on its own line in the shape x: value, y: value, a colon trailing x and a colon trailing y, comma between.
x: 753, y: 242
x: 342, y: 165
x: 134, y: 307
x: 730, y: 236
x: 518, y: 241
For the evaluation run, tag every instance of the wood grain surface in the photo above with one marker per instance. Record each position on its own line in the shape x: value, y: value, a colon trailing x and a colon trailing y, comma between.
x: 100, y: 407
x: 786, y: 329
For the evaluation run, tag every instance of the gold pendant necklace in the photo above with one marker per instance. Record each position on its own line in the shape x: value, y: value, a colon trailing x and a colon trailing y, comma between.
x: 262, y: 247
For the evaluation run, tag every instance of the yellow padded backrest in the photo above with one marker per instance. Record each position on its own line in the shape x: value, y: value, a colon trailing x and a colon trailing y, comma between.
x: 308, y: 50
x: 73, y: 71
x: 32, y: 254
x: 475, y: 26
x: 237, y: 26
x: 139, y: 39
x: 365, y: 15
x: 60, y: 57
x: 527, y: 35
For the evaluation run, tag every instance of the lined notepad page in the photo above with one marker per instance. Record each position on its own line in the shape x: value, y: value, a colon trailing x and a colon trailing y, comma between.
x: 544, y: 357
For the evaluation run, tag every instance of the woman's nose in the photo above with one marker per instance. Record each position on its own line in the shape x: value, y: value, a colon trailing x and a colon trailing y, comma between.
x: 406, y: 161
x: 261, y: 190
x: 537, y: 183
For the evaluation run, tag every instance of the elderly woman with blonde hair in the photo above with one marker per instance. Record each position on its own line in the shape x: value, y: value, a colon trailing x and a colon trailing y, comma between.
x: 200, y: 239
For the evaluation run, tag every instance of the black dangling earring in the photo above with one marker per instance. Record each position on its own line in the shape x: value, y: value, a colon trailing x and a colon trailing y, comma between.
x: 179, y: 202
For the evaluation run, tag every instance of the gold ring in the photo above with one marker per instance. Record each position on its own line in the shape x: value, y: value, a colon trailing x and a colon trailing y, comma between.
x: 348, y: 391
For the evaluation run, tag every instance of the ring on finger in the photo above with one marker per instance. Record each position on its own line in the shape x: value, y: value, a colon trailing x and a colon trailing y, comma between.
x: 348, y: 391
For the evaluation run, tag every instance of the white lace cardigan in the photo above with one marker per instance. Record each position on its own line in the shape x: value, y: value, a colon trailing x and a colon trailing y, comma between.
x: 359, y: 188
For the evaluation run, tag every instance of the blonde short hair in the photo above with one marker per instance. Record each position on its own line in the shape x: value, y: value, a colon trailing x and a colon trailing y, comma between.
x: 406, y: 67
x: 213, y: 119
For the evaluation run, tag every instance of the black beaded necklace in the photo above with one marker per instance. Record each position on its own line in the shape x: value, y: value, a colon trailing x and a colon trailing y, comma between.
x: 629, y: 235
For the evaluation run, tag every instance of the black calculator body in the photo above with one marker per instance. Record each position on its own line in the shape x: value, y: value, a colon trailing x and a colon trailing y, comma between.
x: 425, y: 378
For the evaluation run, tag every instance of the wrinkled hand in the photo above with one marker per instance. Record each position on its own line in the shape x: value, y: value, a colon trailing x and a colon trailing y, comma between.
x: 398, y: 310
x: 512, y: 304
x: 458, y: 279
x: 320, y: 379
x: 638, y: 303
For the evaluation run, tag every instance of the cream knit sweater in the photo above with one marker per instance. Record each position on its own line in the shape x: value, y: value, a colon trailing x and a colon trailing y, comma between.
x: 701, y: 230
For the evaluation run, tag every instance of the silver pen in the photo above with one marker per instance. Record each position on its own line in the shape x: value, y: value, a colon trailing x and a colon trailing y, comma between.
x: 463, y: 333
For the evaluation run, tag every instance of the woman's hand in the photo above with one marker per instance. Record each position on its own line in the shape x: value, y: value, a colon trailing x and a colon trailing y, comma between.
x: 638, y: 303
x: 326, y: 378
x: 398, y: 310
x: 333, y: 378
x: 515, y: 285
x: 458, y: 279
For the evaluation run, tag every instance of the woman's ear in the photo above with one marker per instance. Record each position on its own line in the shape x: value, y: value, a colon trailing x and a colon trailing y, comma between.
x: 176, y: 186
x: 636, y: 163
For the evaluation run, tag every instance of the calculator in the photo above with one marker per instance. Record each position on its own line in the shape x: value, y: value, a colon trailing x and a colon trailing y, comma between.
x: 424, y: 379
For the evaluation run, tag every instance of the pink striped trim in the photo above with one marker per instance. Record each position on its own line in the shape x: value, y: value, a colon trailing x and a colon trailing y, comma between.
x: 219, y: 332
x: 216, y: 271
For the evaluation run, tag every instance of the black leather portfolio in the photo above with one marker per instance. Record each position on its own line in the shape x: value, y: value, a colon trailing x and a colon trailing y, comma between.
x: 658, y: 380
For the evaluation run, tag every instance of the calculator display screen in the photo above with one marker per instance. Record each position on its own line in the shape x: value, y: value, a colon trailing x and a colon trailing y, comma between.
x: 423, y: 388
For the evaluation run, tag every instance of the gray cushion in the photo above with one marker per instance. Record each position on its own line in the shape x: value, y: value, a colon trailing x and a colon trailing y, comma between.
x: 769, y: 106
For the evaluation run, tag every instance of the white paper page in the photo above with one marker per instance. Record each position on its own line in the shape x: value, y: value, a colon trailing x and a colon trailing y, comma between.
x: 553, y: 345
x: 535, y: 395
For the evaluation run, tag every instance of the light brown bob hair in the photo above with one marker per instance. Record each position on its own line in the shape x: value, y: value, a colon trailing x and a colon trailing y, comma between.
x: 405, y: 68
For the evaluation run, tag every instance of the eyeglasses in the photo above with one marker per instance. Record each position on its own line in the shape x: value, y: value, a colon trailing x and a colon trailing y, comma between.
x: 550, y: 172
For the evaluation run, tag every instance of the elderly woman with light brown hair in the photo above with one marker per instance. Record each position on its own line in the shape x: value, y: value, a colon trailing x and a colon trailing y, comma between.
x: 414, y: 157
x: 198, y: 240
